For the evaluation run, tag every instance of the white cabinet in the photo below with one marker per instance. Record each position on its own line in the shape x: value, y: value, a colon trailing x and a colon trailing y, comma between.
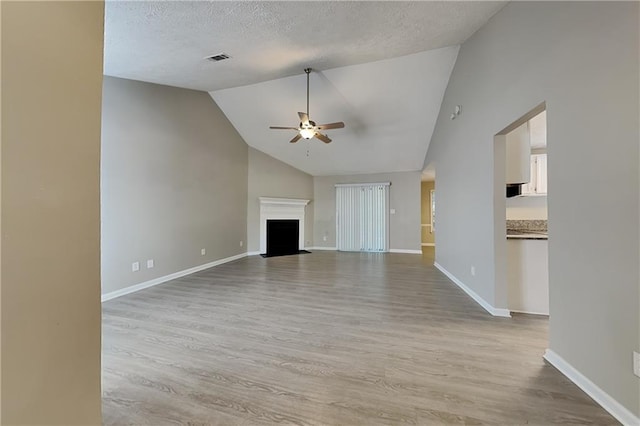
x: 541, y: 173
x: 518, y: 151
x: 528, y: 276
x: 538, y: 183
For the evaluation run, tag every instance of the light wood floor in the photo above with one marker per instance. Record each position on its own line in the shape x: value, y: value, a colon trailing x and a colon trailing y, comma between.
x: 327, y: 338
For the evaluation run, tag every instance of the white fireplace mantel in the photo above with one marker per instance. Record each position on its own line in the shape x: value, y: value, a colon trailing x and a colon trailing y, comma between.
x: 281, y: 208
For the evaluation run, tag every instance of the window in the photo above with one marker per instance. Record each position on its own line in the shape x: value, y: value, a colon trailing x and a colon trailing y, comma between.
x: 433, y: 211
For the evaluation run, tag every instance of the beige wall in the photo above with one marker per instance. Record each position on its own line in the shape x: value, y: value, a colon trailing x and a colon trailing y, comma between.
x: 404, y: 194
x: 51, y: 89
x: 174, y: 181
x: 269, y: 177
x: 581, y: 58
x: 428, y: 237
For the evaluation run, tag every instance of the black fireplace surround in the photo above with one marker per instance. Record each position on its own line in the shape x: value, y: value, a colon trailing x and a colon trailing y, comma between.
x: 282, y: 237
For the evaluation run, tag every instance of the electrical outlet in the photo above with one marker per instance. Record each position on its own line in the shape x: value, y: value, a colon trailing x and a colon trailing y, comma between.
x: 241, y: 243
x: 203, y: 252
x: 324, y: 238
x: 636, y: 363
x: 135, y: 266
x: 473, y: 271
x: 149, y: 263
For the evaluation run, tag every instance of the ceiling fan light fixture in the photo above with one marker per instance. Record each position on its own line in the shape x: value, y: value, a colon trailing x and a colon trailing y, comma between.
x: 307, y: 128
x: 307, y: 133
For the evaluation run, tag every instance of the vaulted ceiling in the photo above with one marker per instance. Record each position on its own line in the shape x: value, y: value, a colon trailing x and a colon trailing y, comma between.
x: 381, y: 67
x: 389, y: 109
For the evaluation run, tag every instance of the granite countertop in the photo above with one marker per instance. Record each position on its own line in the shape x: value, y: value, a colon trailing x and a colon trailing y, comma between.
x: 527, y: 230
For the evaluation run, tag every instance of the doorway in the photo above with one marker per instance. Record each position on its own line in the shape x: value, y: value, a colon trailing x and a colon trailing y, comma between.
x: 428, y: 212
x: 520, y: 215
x: 526, y: 225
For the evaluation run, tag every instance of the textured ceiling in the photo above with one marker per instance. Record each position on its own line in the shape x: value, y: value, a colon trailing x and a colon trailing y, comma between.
x: 165, y: 42
x: 389, y: 108
x: 381, y: 67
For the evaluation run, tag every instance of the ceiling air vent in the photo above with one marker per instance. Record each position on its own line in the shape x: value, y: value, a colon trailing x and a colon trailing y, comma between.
x: 217, y: 58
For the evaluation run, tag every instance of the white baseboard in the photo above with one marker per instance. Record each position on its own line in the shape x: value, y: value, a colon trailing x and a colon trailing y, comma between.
x: 428, y: 244
x: 323, y: 248
x: 160, y: 280
x: 528, y: 312
x: 617, y: 410
x: 496, y: 312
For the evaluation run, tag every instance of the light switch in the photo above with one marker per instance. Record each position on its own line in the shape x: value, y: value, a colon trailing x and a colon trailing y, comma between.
x: 393, y: 211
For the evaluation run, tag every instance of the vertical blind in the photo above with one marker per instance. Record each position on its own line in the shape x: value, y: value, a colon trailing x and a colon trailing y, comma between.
x: 361, y: 217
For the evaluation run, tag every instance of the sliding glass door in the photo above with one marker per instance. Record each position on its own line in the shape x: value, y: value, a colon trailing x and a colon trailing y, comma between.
x: 362, y: 222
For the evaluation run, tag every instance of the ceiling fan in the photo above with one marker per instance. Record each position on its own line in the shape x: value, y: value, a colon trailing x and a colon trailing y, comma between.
x: 307, y: 128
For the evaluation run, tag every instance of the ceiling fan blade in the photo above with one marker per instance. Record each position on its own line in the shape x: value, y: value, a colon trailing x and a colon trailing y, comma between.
x: 338, y: 125
x: 296, y: 138
x: 279, y: 127
x: 322, y: 137
x: 304, y: 118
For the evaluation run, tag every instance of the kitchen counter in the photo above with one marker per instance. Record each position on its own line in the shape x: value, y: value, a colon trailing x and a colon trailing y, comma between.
x: 527, y: 230
x: 528, y: 266
x: 528, y: 275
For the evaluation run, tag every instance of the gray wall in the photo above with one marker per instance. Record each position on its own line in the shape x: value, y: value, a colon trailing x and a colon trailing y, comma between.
x: 404, y: 194
x: 51, y: 89
x: 582, y: 59
x: 174, y: 180
x: 269, y: 177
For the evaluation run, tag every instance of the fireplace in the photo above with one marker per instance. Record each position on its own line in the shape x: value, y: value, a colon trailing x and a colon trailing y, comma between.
x: 282, y: 236
x: 281, y: 209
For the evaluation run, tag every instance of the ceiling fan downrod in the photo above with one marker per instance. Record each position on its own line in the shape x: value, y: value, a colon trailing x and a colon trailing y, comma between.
x: 308, y: 71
